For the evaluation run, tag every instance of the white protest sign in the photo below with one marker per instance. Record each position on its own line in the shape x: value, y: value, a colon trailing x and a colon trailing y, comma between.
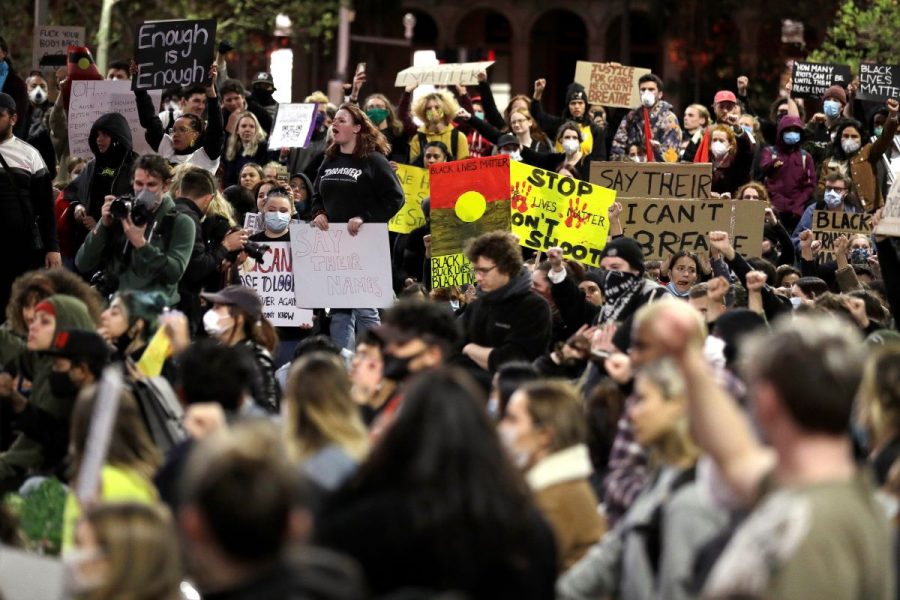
x: 293, y: 125
x: 253, y: 223
x: 890, y: 216
x: 447, y: 74
x: 103, y: 419
x: 273, y: 281
x: 91, y: 99
x: 50, y: 41
x: 333, y: 269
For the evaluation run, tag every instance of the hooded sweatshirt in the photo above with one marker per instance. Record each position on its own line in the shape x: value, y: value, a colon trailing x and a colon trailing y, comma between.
x: 792, y: 184
x: 30, y: 450
x: 513, y: 320
x: 109, y: 173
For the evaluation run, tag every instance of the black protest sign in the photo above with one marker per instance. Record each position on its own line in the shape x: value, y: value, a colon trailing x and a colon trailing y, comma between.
x: 169, y: 53
x: 663, y: 227
x: 654, y: 180
x: 879, y: 82
x: 810, y: 80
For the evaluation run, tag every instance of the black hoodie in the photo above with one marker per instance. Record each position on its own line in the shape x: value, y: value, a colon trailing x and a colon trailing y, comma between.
x: 108, y: 173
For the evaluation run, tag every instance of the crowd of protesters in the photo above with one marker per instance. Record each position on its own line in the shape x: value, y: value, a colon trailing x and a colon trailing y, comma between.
x: 717, y: 426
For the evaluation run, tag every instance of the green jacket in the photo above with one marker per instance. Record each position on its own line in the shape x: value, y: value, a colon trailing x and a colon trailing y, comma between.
x: 26, y: 454
x: 157, y: 267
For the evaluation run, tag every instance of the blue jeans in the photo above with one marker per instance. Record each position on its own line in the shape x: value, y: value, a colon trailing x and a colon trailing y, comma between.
x: 345, y: 323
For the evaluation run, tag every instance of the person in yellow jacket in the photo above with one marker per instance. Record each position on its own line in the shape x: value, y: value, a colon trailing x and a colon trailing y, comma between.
x: 437, y: 111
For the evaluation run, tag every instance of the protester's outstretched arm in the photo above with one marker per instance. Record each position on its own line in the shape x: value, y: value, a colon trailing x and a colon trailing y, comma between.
x: 149, y: 119
x: 718, y: 425
x: 488, y: 104
x: 215, y: 131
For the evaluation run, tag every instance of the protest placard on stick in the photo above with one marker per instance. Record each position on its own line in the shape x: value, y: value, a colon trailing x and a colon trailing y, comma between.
x: 169, y: 53
x: 610, y: 85
x: 414, y: 182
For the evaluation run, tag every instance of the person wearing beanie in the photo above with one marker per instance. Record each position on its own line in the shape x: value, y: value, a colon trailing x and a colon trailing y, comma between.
x: 26, y: 203
x: 42, y: 419
x: 653, y: 125
x: 577, y: 110
x: 821, y: 127
x: 624, y: 288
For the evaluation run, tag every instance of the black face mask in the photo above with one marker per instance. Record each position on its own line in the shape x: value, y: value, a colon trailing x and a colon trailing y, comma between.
x: 396, y: 368
x: 122, y: 343
x: 62, y: 386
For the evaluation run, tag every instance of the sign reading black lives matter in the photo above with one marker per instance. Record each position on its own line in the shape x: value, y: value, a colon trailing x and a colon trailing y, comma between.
x: 171, y: 53
x: 810, y: 80
x: 879, y: 82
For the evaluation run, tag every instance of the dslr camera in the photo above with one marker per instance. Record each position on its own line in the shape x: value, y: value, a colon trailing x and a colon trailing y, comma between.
x: 124, y: 205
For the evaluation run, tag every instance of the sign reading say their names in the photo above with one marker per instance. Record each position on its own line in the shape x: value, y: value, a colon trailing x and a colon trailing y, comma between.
x: 549, y: 210
x: 273, y: 280
x: 829, y: 225
x: 171, y: 53
x: 810, y: 80
x: 54, y: 41
x: 654, y: 180
x: 414, y: 182
x: 610, y: 85
x: 91, y: 99
x: 663, y: 227
x: 447, y: 74
x: 333, y: 269
x: 293, y: 125
x: 879, y: 82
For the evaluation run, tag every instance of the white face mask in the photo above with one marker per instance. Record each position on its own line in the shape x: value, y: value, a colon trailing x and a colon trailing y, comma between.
x: 849, y: 146
x: 519, y: 457
x: 38, y: 95
x: 570, y: 146
x: 213, y: 325
x: 719, y: 149
x: 648, y: 98
x: 796, y: 302
x: 515, y: 155
x: 637, y: 158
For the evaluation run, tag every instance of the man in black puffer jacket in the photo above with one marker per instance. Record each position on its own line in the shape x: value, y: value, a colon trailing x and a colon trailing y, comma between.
x: 508, y: 321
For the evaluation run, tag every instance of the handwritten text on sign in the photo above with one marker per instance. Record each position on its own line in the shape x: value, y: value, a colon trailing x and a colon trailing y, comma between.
x: 664, y: 227
x: 448, y: 74
x: 451, y: 270
x: 810, y: 80
x: 273, y: 280
x: 414, y: 182
x: 549, y: 210
x: 610, y: 85
x: 333, y: 269
x: 54, y: 41
x: 654, y: 180
x: 90, y: 99
x: 829, y: 225
x: 171, y: 53
x: 879, y: 82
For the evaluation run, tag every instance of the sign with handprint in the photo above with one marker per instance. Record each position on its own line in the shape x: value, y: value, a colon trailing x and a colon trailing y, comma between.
x: 468, y: 198
x: 550, y: 210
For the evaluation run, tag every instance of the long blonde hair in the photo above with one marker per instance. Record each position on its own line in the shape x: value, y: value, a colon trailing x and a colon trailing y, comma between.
x: 140, y: 543
x: 319, y: 409
x: 678, y: 444
x: 235, y: 143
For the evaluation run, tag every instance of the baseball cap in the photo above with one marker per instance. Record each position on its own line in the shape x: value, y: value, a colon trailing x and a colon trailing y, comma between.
x: 725, y: 96
x: 264, y: 77
x: 237, y: 295
x: 79, y: 343
x: 507, y: 139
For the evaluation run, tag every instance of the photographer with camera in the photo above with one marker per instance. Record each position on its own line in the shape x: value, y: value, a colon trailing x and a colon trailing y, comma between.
x: 142, y: 242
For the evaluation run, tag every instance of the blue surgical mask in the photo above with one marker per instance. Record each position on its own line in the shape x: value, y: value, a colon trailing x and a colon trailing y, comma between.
x: 479, y: 114
x: 833, y: 198
x: 747, y: 129
x: 878, y: 131
x: 277, y: 221
x: 832, y: 108
x: 791, y: 137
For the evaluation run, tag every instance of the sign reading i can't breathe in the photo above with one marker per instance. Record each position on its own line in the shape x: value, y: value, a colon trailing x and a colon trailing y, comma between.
x: 879, y: 82
x: 171, y: 53
x: 810, y: 80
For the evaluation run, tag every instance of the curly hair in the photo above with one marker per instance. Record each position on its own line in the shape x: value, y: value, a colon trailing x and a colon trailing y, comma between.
x: 234, y: 142
x: 369, y: 139
x: 448, y: 104
x: 729, y: 133
x: 498, y: 246
x: 34, y: 286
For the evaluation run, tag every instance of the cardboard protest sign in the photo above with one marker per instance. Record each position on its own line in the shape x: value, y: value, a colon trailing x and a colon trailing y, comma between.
x: 549, y: 210
x: 468, y: 198
x: 829, y: 225
x: 447, y: 74
x: 810, y: 80
x: 665, y: 226
x: 879, y: 82
x: 414, y: 182
x: 169, y: 53
x: 890, y: 216
x: 54, y: 41
x: 654, y: 180
x: 333, y: 269
x: 90, y: 99
x: 293, y: 125
x: 273, y: 280
x: 610, y: 85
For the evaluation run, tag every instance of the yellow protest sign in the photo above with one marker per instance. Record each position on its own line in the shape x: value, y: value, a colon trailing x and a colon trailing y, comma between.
x: 155, y: 354
x: 414, y: 182
x: 550, y: 210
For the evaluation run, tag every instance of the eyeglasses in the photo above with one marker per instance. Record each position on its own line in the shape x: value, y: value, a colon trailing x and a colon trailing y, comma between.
x: 834, y: 189
x: 483, y: 271
x: 183, y: 130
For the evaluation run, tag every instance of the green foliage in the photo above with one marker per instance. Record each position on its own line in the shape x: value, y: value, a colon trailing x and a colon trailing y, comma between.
x: 40, y: 515
x: 862, y: 30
